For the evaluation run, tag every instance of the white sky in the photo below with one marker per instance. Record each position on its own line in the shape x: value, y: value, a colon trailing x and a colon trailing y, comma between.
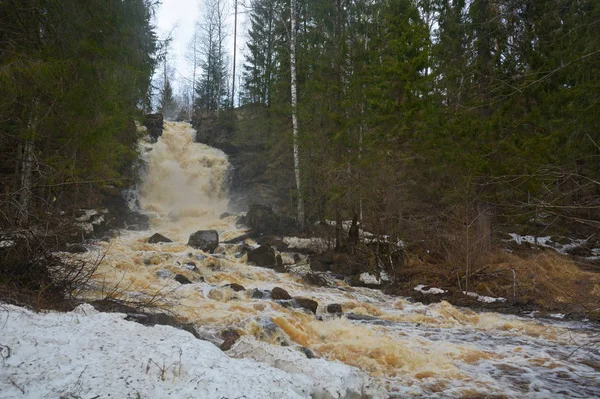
x: 183, y: 14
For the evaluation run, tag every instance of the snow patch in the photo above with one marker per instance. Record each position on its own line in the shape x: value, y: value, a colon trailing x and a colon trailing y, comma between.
x: 483, y: 298
x: 369, y: 279
x: 432, y: 290
x: 329, y: 379
x: 7, y: 243
x: 314, y: 244
x: 89, y: 354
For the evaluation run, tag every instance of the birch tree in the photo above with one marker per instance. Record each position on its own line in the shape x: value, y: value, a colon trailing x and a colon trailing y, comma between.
x: 294, y: 96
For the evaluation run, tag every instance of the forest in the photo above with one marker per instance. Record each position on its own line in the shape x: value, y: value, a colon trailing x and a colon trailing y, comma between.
x: 444, y: 124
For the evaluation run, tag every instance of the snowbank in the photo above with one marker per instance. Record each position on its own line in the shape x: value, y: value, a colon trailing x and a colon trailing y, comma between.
x: 89, y: 354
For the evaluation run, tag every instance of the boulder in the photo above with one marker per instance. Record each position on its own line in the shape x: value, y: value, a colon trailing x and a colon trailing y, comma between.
x: 316, y: 278
x: 158, y: 238
x: 154, y: 124
x: 181, y: 279
x: 230, y: 337
x: 235, y: 287
x: 137, y: 221
x: 77, y: 249
x: 262, y: 256
x: 334, y: 308
x: 224, y: 215
x: 206, y: 240
x: 257, y: 294
x: 280, y: 293
x: 307, y: 304
x: 264, y: 220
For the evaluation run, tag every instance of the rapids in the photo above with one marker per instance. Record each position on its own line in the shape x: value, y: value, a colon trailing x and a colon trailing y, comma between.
x: 414, y: 350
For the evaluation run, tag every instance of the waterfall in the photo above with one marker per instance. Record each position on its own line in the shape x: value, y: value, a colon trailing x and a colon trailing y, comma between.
x: 185, y: 186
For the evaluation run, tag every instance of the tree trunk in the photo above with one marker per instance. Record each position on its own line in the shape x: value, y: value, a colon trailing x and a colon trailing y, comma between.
x: 295, y: 113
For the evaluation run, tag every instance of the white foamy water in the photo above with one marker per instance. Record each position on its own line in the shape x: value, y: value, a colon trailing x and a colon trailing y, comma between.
x: 411, y: 349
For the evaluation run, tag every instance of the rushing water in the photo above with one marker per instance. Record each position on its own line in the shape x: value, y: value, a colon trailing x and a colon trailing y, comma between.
x: 415, y: 350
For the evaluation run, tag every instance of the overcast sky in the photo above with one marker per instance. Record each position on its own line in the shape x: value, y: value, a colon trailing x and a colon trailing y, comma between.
x: 183, y: 15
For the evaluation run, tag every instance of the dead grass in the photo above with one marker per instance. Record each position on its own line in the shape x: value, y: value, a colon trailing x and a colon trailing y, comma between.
x: 545, y: 279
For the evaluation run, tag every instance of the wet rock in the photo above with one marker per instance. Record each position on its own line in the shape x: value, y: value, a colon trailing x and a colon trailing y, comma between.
x: 136, y: 222
x: 77, y: 249
x: 319, y: 266
x: 297, y: 258
x: 235, y: 287
x: 274, y: 242
x: 360, y: 317
x: 230, y: 337
x: 154, y: 124
x: 181, y: 279
x: 264, y: 220
x: 240, y: 221
x: 262, y: 256
x: 206, y: 240
x: 307, y: 352
x: 279, y: 264
x: 158, y: 238
x: 307, y: 304
x: 219, y: 251
x: 280, y: 293
x: 138, y: 316
x: 191, y: 266
x: 316, y: 278
x: 334, y: 308
x: 163, y: 273
x: 257, y: 294
x: 224, y: 215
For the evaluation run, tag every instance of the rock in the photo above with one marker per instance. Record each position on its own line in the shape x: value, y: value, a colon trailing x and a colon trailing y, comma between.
x: 297, y: 258
x: 163, y: 273
x: 279, y: 264
x: 334, y: 308
x: 77, y: 249
x: 361, y: 317
x: 136, y: 221
x: 154, y: 124
x: 257, y: 294
x: 240, y: 221
x: 136, y: 315
x: 307, y: 352
x: 158, y: 238
x: 307, y: 304
x: 206, y: 240
x: 316, y: 278
x: 263, y: 219
x: 230, y: 337
x: 319, y: 266
x: 224, y: 215
x: 262, y: 256
x: 191, y: 266
x: 181, y: 279
x: 280, y: 293
x: 235, y: 287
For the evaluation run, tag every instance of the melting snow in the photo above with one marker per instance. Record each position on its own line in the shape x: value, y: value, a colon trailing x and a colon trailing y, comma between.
x: 432, y: 290
x: 89, y: 354
x: 483, y: 298
x: 369, y: 279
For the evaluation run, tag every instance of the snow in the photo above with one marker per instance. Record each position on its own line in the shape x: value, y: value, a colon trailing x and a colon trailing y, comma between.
x: 432, y: 290
x: 547, y: 242
x: 89, y: 354
x: 369, y: 279
x: 483, y: 298
x: 6, y: 243
x: 314, y: 244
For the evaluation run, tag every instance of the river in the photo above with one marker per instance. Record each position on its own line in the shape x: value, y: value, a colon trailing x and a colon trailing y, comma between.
x: 414, y: 350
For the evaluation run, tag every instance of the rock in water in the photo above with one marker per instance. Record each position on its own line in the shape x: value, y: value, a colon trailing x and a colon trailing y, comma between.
x: 181, y: 279
x: 335, y: 308
x: 206, y: 240
x: 280, y: 293
x: 262, y: 256
x: 307, y: 304
x: 154, y: 124
x: 157, y: 238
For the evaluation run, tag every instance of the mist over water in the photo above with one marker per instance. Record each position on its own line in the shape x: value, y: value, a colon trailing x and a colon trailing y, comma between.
x: 412, y: 349
x: 185, y: 187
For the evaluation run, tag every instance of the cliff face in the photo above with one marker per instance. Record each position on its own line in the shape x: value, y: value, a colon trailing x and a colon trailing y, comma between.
x: 254, y: 178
